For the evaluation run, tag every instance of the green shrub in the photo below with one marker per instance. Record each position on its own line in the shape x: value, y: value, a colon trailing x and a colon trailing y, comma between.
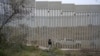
x: 57, y: 51
x: 30, y: 48
x: 2, y: 53
x: 43, y: 53
x: 68, y: 54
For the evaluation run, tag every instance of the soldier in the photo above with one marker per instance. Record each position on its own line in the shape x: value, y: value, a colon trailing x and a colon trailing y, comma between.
x: 49, y: 43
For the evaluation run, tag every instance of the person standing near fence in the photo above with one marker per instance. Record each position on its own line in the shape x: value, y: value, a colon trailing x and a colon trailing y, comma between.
x: 49, y: 43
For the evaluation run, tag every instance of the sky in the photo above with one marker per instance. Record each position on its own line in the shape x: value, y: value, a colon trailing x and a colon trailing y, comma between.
x: 76, y: 1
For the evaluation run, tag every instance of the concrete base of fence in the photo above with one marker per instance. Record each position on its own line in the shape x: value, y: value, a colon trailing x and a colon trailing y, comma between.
x: 64, y: 49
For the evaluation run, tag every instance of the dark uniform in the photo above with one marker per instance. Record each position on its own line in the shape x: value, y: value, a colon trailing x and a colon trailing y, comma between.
x: 49, y: 43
